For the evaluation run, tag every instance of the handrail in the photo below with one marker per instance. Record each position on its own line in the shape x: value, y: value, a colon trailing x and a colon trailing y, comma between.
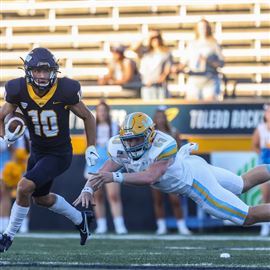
x: 7, y: 6
x: 133, y: 20
x: 95, y: 72
x: 119, y: 37
x: 102, y: 55
x: 117, y: 89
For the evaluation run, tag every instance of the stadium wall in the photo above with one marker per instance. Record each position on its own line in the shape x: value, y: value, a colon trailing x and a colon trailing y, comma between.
x: 225, y: 126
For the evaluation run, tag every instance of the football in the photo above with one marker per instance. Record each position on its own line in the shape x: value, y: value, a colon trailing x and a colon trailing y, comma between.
x: 15, y: 119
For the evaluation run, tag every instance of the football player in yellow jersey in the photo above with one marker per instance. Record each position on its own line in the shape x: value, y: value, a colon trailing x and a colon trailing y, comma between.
x: 150, y: 157
x: 11, y: 175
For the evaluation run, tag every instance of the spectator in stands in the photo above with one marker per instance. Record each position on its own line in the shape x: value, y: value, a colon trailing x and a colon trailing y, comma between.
x: 202, y: 60
x: 162, y: 124
x: 261, y: 144
x: 105, y: 129
x: 122, y: 71
x: 155, y: 65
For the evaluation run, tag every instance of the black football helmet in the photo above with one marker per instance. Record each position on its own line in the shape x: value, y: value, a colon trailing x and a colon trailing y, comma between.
x: 41, y: 58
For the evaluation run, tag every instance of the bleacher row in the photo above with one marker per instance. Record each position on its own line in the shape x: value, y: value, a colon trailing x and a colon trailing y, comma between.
x: 80, y: 34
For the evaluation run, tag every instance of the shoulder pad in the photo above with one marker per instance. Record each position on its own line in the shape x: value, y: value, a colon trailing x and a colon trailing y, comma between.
x: 164, y: 146
x: 13, y: 89
x: 71, y: 90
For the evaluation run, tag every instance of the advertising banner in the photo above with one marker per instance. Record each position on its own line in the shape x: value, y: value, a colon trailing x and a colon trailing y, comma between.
x: 195, y: 119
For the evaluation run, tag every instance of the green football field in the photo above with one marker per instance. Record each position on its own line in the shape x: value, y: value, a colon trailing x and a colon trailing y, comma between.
x: 137, y: 251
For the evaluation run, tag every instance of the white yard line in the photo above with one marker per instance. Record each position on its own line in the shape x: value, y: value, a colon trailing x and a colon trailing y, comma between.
x: 131, y: 266
x: 147, y: 237
x: 236, y: 248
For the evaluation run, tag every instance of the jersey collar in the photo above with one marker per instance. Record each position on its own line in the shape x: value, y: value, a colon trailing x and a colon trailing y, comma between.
x: 41, y: 101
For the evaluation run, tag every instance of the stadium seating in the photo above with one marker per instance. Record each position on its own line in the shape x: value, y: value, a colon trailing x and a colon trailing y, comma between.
x: 80, y: 34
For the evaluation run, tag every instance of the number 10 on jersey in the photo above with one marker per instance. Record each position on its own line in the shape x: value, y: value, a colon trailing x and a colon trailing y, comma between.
x: 44, y: 122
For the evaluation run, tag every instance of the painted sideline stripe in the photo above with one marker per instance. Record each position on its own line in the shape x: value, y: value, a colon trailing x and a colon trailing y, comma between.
x: 186, y: 266
x: 147, y: 237
x: 234, y: 248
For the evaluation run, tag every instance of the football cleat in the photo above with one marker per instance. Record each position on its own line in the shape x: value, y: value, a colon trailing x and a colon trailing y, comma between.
x: 88, y: 218
x: 5, y: 242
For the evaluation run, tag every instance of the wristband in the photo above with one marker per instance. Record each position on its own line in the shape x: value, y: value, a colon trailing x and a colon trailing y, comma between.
x: 118, y: 177
x: 88, y: 190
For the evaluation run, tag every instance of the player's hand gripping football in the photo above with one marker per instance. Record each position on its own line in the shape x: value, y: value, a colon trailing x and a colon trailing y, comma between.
x: 11, y: 137
x: 91, y: 155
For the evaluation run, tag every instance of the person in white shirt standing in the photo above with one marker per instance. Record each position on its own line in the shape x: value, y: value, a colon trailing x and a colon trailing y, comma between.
x: 202, y: 59
x: 162, y: 124
x: 155, y: 66
x: 106, y: 128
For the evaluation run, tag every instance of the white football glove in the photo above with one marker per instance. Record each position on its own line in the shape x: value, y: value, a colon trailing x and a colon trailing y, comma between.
x: 186, y: 149
x: 91, y: 155
x: 11, y: 137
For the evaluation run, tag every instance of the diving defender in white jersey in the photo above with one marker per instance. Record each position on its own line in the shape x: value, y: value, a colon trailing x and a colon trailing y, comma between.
x: 150, y: 157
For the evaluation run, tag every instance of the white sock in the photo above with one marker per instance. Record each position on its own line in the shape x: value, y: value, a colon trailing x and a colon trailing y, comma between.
x: 265, y: 229
x: 25, y: 226
x: 18, y: 213
x: 161, y: 226
x: 182, y: 227
x: 102, y: 223
x: 119, y: 222
x: 265, y: 225
x: 161, y: 223
x: 119, y: 225
x: 62, y: 207
x: 101, y: 226
x: 181, y: 223
x: 3, y: 223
